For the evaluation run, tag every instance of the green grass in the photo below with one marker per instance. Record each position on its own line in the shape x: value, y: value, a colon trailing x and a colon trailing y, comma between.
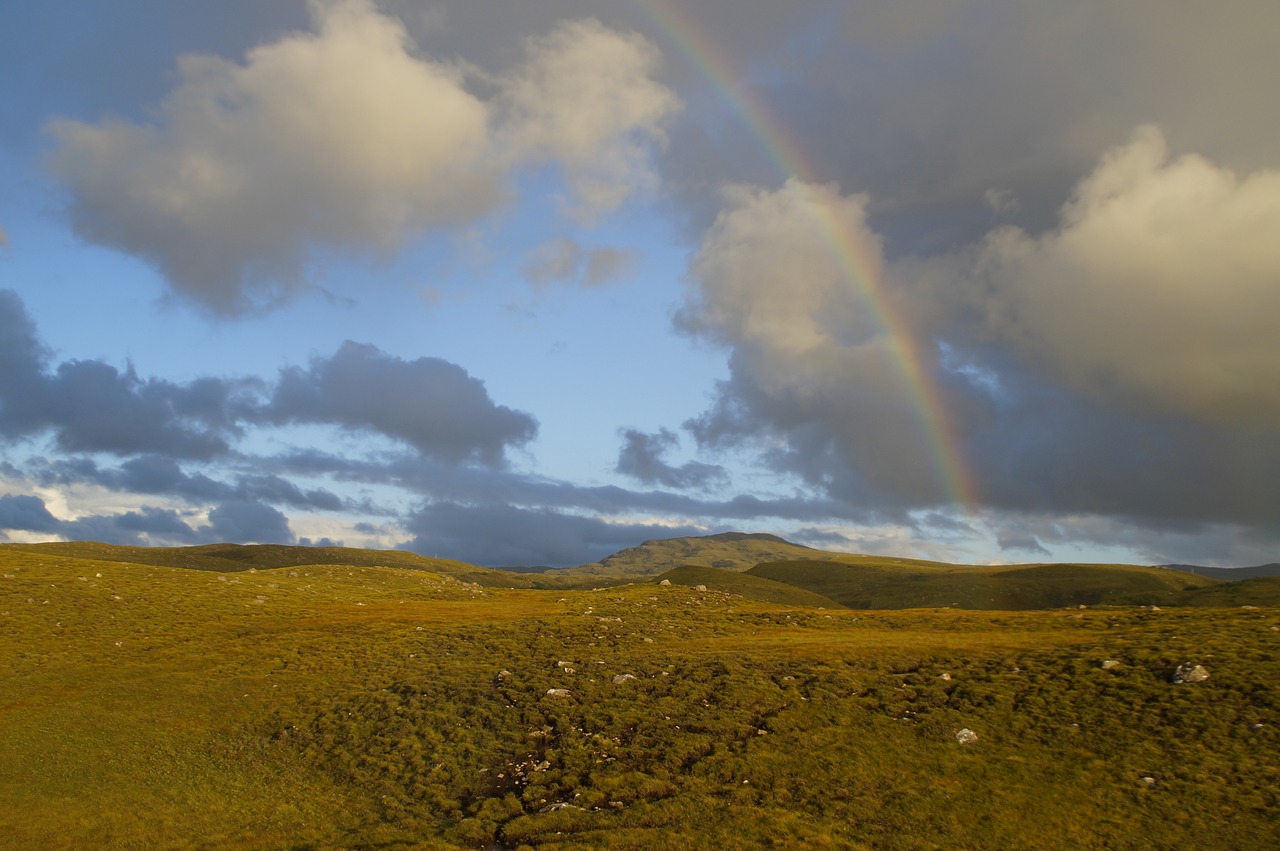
x: 340, y: 706
x: 747, y: 586
x: 872, y: 583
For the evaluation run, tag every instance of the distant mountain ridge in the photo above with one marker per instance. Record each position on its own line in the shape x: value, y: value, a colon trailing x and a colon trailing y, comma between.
x: 736, y: 551
x: 1229, y: 574
x: 765, y: 568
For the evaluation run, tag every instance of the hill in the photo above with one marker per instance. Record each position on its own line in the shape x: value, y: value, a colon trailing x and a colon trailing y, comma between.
x: 1259, y: 591
x: 746, y: 585
x: 864, y: 582
x: 233, y: 558
x: 726, y: 551
x: 350, y: 706
x: 1229, y: 574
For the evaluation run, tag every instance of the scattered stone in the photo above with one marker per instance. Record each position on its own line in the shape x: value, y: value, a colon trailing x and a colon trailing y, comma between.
x: 1250, y: 608
x: 665, y: 582
x: 945, y: 677
x: 1153, y: 608
x: 622, y: 678
x: 563, y: 664
x: 966, y: 737
x: 1147, y: 781
x: 557, y: 692
x: 1257, y: 727
x: 701, y: 588
x: 504, y: 673
x: 1108, y: 664
x: 1189, y: 673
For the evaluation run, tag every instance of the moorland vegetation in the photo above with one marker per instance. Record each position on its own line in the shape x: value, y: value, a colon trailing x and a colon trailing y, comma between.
x: 260, y: 697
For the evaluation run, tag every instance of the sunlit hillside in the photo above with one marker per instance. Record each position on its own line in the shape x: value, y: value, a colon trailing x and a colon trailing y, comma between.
x: 397, y: 705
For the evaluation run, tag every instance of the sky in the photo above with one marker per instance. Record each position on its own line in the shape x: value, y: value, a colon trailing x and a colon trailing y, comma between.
x: 525, y: 284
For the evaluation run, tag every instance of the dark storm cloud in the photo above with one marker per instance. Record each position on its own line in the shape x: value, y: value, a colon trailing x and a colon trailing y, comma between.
x: 431, y: 404
x: 90, y: 406
x: 26, y: 513
x: 505, y: 535
x: 245, y: 521
x: 480, y: 486
x: 641, y: 458
x: 238, y: 521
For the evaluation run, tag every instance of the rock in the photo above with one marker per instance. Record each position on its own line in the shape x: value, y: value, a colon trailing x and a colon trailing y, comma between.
x: 966, y: 737
x: 1147, y: 781
x: 701, y: 588
x: 1189, y: 673
x: 1153, y: 608
x: 945, y: 677
x: 622, y: 678
x: 1108, y: 664
x: 665, y: 582
x: 557, y: 692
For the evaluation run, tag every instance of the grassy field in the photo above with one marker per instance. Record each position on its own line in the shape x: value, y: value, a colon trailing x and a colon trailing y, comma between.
x: 874, y: 583
x: 357, y: 706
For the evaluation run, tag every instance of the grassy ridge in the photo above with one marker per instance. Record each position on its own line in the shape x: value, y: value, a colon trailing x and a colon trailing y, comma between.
x: 727, y: 551
x: 350, y: 706
x: 745, y: 585
x: 868, y: 583
x: 232, y: 558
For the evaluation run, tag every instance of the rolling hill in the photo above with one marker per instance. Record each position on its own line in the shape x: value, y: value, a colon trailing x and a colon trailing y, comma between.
x: 869, y: 583
x: 246, y: 697
x: 738, y: 551
x: 233, y: 558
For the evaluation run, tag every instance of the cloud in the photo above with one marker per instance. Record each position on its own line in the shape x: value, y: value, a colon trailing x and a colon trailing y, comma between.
x: 1157, y: 292
x: 1118, y: 366
x: 585, y: 98
x: 4, y: 238
x: 511, y: 536
x: 563, y: 260
x: 816, y: 377
x: 430, y: 404
x: 641, y: 458
x: 248, y: 522
x: 26, y: 513
x: 91, y: 406
x: 347, y: 137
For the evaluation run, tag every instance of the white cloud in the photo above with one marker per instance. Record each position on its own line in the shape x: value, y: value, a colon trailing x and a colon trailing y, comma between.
x: 1159, y: 290
x: 350, y: 138
x: 564, y: 260
x: 812, y: 361
x: 586, y: 98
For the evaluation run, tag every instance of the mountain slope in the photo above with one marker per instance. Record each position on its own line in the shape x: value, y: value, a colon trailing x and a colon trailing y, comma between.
x: 745, y: 585
x: 232, y: 558
x: 868, y: 583
x: 738, y: 551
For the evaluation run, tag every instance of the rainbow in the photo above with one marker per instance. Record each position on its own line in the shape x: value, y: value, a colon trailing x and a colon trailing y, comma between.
x: 855, y: 262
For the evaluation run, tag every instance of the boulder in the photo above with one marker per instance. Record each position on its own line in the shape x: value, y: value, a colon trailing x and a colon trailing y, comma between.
x: 622, y: 678
x: 701, y: 588
x: 557, y: 692
x: 665, y: 582
x: 1189, y: 673
x: 966, y: 737
x: 1108, y: 664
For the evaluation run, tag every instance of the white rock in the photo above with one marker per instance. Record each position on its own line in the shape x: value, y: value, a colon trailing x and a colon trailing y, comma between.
x: 966, y: 736
x: 622, y: 678
x: 1108, y: 664
x: 701, y: 588
x: 665, y: 582
x: 1189, y: 673
x: 557, y: 692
